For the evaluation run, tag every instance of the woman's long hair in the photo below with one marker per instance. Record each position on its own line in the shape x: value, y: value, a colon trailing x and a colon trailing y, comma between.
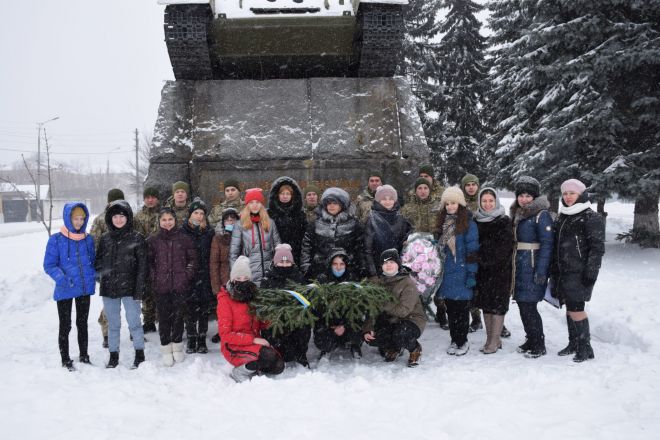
x: 462, y: 219
x: 264, y: 219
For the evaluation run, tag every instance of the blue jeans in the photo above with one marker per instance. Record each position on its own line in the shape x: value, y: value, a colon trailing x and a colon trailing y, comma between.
x: 112, y: 307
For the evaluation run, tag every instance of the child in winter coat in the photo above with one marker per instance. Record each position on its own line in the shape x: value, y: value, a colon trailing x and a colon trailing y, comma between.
x: 292, y: 344
x: 459, y: 240
x: 121, y: 266
x: 172, y: 266
x: 532, y: 225
x: 240, y: 331
x: 578, y: 251
x: 402, y: 321
x: 199, y: 295
x: 69, y: 261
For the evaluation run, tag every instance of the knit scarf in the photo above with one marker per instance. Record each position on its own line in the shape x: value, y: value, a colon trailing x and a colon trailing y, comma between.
x: 484, y: 217
x: 256, y: 219
x: 75, y: 236
x: 448, y: 237
x: 575, y: 209
x: 520, y: 213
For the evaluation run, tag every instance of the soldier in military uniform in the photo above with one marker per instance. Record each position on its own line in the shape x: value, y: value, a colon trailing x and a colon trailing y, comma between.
x: 422, y: 210
x: 470, y: 186
x: 146, y: 223
x: 427, y: 172
x: 232, y: 200
x: 178, y: 201
x: 366, y: 199
x: 311, y: 196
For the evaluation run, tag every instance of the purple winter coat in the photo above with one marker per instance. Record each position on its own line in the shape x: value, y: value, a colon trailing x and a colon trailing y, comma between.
x: 172, y: 262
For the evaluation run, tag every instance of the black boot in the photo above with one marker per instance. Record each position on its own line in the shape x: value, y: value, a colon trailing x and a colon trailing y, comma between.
x: 149, y: 327
x: 192, y: 344
x: 84, y: 359
x: 583, y: 350
x: 139, y: 358
x: 114, y: 360
x: 216, y: 338
x: 201, y: 344
x: 68, y: 364
x: 441, y: 318
x: 537, y: 349
x: 570, y: 348
x: 525, y: 347
x: 476, y: 321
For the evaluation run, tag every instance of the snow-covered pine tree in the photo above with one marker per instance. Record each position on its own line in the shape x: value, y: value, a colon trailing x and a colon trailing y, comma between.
x: 463, y: 72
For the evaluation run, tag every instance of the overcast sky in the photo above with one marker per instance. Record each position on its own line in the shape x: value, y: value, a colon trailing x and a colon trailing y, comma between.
x: 98, y: 65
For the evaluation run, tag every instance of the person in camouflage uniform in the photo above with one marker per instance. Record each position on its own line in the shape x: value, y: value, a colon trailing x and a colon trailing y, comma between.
x: 311, y: 201
x: 427, y: 172
x: 470, y: 186
x: 366, y: 198
x: 232, y: 200
x: 422, y: 210
x: 146, y: 223
x: 98, y: 229
x: 179, y: 203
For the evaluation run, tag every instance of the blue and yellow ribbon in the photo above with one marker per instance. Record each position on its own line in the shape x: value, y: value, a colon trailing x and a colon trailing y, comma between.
x: 304, y: 301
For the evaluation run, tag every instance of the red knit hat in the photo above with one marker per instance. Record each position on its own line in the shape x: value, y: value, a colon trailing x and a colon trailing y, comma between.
x: 254, y: 194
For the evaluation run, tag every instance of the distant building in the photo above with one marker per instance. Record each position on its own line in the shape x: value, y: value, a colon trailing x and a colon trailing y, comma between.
x: 19, y: 203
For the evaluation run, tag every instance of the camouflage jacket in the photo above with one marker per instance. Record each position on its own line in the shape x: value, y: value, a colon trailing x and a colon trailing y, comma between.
x: 146, y: 221
x: 436, y: 192
x: 422, y: 214
x: 363, y: 206
x: 181, y: 213
x: 98, y: 228
x: 472, y: 202
x: 216, y: 213
x: 310, y: 213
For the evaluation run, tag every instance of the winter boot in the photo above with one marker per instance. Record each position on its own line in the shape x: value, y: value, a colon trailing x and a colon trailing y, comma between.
x: 525, y: 347
x: 139, y: 358
x: 476, y: 321
x: 392, y: 355
x: 68, y: 364
x: 242, y: 373
x: 302, y: 360
x: 441, y: 318
x: 495, y: 330
x: 415, y: 356
x: 356, y: 351
x: 192, y: 344
x: 177, y: 351
x: 105, y: 342
x: 583, y: 350
x: 488, y: 319
x: 570, y: 348
x: 201, y: 344
x: 216, y: 338
x: 84, y: 359
x: 166, y: 351
x: 114, y: 360
x: 505, y: 332
x: 149, y: 327
x: 537, y: 349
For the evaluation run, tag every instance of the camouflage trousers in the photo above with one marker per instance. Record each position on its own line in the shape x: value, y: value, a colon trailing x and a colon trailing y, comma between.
x: 149, y: 312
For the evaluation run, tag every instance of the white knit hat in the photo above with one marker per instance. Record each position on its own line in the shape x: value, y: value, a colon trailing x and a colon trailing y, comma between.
x: 241, y: 268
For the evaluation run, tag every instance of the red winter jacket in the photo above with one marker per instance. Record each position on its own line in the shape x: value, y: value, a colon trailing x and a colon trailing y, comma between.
x: 237, y: 329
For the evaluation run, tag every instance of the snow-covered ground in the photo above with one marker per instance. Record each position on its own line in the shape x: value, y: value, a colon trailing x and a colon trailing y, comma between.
x: 472, y: 397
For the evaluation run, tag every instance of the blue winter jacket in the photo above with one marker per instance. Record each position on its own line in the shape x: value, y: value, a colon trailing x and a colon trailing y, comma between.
x: 70, y: 263
x: 458, y: 269
x: 531, y: 264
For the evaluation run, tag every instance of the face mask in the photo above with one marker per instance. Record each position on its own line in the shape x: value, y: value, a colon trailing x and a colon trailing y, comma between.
x: 229, y: 228
x: 194, y: 222
x: 338, y: 273
x: 243, y: 291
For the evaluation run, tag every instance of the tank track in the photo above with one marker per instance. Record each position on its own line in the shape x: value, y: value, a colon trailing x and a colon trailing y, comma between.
x: 186, y: 36
x: 380, y: 39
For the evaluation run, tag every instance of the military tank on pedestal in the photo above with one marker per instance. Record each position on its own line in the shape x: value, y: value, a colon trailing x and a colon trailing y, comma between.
x: 278, y: 39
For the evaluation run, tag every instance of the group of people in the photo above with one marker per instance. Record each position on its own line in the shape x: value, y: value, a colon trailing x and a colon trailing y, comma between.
x: 177, y: 260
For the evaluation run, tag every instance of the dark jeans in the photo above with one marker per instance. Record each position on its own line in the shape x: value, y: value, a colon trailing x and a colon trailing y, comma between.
x: 82, y: 313
x: 293, y: 345
x: 170, y: 311
x: 531, y: 320
x: 268, y: 362
x: 395, y: 336
x: 197, y: 313
x: 327, y: 340
x: 458, y: 315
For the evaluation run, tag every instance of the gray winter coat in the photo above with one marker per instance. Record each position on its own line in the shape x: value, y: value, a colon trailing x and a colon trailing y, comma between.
x: 260, y: 255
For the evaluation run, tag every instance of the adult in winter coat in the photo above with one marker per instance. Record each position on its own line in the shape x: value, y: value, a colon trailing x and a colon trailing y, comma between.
x: 459, y: 240
x: 178, y: 201
x: 365, y: 199
x: 121, y: 266
x: 334, y: 228
x: 335, y: 333
x: 427, y: 173
x: 311, y: 195
x: 254, y: 236
x: 292, y: 344
x: 401, y: 322
x: 199, y: 296
x: 69, y: 261
x: 494, y: 274
x: 532, y: 225
x: 240, y: 331
x: 386, y: 228
x: 172, y: 268
x: 285, y: 208
x: 578, y: 251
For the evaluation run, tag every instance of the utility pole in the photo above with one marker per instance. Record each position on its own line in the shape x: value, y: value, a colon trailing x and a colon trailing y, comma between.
x: 137, y: 171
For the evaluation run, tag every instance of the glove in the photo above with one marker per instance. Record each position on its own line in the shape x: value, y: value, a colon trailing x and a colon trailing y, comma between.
x: 471, y: 282
x: 588, y: 279
x: 540, y: 279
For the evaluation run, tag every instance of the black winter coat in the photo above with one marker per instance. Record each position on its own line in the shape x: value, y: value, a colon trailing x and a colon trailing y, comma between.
x: 327, y: 234
x: 121, y: 260
x: 290, y: 219
x: 201, y: 239
x: 496, y: 245
x: 384, y: 230
x: 280, y: 277
x: 172, y: 262
x: 578, y: 251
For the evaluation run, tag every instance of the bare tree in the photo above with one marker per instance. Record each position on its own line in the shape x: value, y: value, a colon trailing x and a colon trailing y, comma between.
x: 144, y: 153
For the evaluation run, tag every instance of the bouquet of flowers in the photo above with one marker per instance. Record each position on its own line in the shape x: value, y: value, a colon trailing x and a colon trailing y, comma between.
x: 421, y: 256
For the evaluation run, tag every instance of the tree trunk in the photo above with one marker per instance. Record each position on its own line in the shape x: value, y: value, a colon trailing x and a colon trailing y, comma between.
x: 646, y: 227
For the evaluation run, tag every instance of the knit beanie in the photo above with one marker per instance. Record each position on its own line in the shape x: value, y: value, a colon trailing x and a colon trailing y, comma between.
x: 573, y: 185
x: 166, y: 210
x: 469, y: 178
x: 233, y: 183
x: 390, y: 255
x: 77, y: 212
x: 181, y: 185
x: 115, y: 194
x: 282, y: 253
x: 150, y: 191
x: 452, y: 194
x: 384, y: 191
x: 529, y: 185
x: 241, y: 268
x: 422, y: 181
x: 311, y: 188
x: 374, y: 173
x: 229, y: 212
x: 427, y: 169
x: 254, y: 194
x: 196, y: 204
